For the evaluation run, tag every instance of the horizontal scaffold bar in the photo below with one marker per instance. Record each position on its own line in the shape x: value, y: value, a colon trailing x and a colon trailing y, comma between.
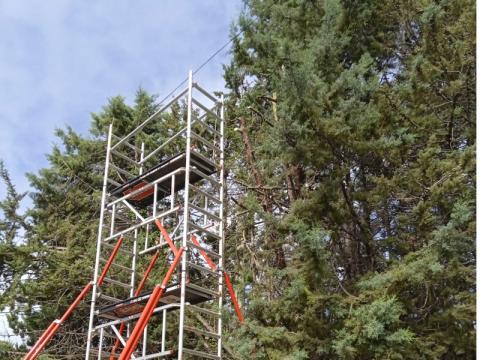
x: 206, y: 142
x: 205, y: 212
x: 204, y: 193
x: 205, y: 92
x: 126, y: 143
x: 207, y: 110
x: 201, y: 354
x: 156, y: 355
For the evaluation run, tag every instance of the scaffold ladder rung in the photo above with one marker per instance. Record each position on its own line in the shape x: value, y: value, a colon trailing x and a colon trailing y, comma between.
x: 207, y: 127
x: 204, y: 311
x: 124, y: 157
x: 202, y: 332
x: 118, y: 283
x: 205, y: 92
x: 108, y: 297
x: 205, y: 141
x: 210, y: 196
x: 204, y: 230
x: 117, y: 265
x: 122, y: 171
x: 201, y: 268
x: 205, y: 159
x: 200, y: 248
x: 204, y: 108
x: 113, y: 182
x: 205, y: 212
x: 206, y: 177
x: 156, y: 355
x: 201, y: 353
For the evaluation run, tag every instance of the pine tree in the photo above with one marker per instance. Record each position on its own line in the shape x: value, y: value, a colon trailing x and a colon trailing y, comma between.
x: 356, y: 137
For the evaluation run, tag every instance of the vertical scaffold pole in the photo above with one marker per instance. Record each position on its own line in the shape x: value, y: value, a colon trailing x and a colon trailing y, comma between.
x: 222, y: 236
x: 99, y: 244
x: 185, y: 217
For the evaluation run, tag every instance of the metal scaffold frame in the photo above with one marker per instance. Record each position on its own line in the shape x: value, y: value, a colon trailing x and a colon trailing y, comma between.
x: 160, y: 198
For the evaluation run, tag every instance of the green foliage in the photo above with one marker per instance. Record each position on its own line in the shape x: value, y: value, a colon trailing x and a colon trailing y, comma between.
x: 374, y: 328
x: 9, y: 351
x: 354, y: 159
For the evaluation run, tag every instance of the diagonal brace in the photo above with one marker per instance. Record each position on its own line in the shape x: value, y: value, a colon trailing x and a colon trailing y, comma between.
x: 212, y: 265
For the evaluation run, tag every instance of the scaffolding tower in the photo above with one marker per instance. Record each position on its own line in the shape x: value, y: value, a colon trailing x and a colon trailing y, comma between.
x: 163, y: 196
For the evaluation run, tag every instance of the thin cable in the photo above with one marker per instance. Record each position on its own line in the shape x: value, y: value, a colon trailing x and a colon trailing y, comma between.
x: 210, y: 58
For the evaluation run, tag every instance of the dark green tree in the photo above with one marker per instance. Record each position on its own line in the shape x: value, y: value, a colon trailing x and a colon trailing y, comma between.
x: 353, y: 164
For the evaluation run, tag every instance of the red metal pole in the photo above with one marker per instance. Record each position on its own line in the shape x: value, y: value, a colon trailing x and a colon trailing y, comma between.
x: 167, y: 237
x: 227, y: 281
x: 110, y: 261
x: 148, y: 310
x: 146, y: 273
x: 204, y: 254
x: 39, y: 341
x: 53, y: 328
x: 234, y: 298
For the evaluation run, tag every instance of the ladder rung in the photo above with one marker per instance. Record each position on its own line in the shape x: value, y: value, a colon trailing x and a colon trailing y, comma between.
x: 206, y: 177
x: 205, y: 212
x: 204, y: 108
x: 123, y: 251
x: 200, y: 353
x: 109, y: 298
x: 205, y: 92
x: 152, y: 248
x: 204, y: 290
x: 113, y: 182
x: 133, y: 147
x: 208, y: 127
x: 203, y: 230
x: 204, y: 311
x: 204, y: 193
x: 121, y: 171
x: 117, y: 265
x: 201, y: 268
x: 156, y: 355
x: 209, y: 252
x: 206, y: 142
x: 115, y: 152
x: 119, y: 283
x: 201, y: 332
x: 204, y: 158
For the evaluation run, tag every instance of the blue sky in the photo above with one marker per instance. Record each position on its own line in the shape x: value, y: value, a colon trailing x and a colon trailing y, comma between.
x: 60, y: 60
